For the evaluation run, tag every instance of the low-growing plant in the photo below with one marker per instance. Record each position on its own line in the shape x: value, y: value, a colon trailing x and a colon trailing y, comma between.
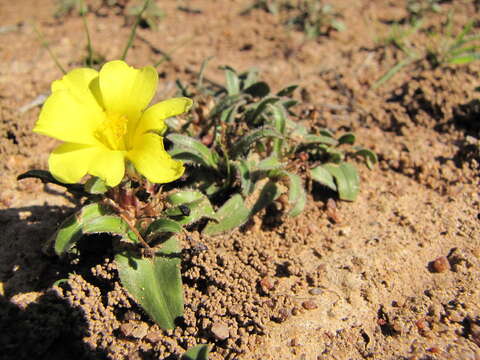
x: 417, y: 9
x: 148, y: 11
x: 316, y: 18
x: 150, y: 15
x: 445, y: 47
x: 112, y: 157
x: 250, y: 152
x: 313, y: 17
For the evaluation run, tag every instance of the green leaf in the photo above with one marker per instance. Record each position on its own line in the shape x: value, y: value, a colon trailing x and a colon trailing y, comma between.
x: 464, y: 59
x: 233, y: 82
x: 244, y: 172
x: 288, y: 91
x: 70, y: 231
x: 259, y: 89
x: 297, y: 196
x: 324, y: 177
x: 243, y: 145
x: 194, y: 202
x: 346, y: 178
x: 279, y: 123
x: 109, y: 224
x: 269, y: 163
x: 348, y: 138
x: 163, y: 225
x: 335, y: 156
x: 229, y: 115
x: 319, y: 139
x: 95, y: 185
x: 155, y: 283
x: 226, y: 103
x: 259, y: 108
x: 370, y: 157
x: 269, y: 193
x: 187, y: 144
x: 185, y: 196
x: 250, y: 77
x: 47, y: 177
x: 199, y: 352
x: 232, y: 214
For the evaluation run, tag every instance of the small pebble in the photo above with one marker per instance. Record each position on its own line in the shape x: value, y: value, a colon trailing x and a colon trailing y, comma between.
x: 440, y: 264
x: 220, y: 331
x: 266, y: 284
x: 309, y: 305
x: 154, y: 336
x: 315, y: 291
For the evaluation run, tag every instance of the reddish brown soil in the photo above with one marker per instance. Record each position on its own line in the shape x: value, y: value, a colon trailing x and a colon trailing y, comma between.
x: 396, y: 276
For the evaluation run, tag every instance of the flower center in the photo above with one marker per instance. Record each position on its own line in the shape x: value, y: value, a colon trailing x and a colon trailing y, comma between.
x: 112, y: 132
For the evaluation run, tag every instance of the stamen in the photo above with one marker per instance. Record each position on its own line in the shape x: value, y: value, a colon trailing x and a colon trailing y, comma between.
x: 112, y: 132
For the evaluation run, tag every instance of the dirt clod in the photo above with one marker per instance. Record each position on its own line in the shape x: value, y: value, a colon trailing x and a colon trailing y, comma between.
x: 220, y: 331
x: 440, y: 264
x: 309, y: 305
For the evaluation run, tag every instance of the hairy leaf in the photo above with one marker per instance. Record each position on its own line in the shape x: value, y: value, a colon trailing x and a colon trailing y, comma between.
x: 370, y: 157
x: 155, y: 283
x: 297, y: 196
x: 269, y: 193
x: 109, y: 224
x: 346, y: 178
x: 95, y: 185
x: 163, y: 225
x: 71, y: 230
x: 232, y: 214
x: 199, y: 352
x: 190, y: 207
x: 187, y: 144
x: 323, y: 176
x: 348, y: 138
x: 243, y: 145
x: 47, y: 177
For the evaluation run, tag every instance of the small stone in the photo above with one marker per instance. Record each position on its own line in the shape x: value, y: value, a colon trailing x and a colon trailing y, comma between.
x: 332, y: 212
x: 266, y: 284
x: 315, y: 291
x: 283, y: 314
x: 345, y: 231
x: 134, y: 329
x: 220, y: 331
x: 309, y: 305
x: 440, y: 264
x: 154, y: 336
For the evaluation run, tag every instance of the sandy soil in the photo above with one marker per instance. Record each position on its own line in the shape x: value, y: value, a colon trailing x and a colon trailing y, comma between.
x: 394, y: 275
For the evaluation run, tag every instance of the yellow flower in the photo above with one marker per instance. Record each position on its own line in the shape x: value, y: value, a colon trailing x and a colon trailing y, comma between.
x: 102, y: 120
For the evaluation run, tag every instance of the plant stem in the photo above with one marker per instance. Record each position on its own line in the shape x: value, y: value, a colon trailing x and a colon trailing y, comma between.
x: 47, y: 47
x: 134, y: 29
x: 89, y: 61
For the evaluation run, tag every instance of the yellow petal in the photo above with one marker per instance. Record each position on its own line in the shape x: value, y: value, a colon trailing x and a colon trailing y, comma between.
x: 66, y: 117
x: 108, y: 165
x: 126, y: 90
x: 153, y: 118
x: 69, y: 162
x: 79, y: 83
x: 152, y: 161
